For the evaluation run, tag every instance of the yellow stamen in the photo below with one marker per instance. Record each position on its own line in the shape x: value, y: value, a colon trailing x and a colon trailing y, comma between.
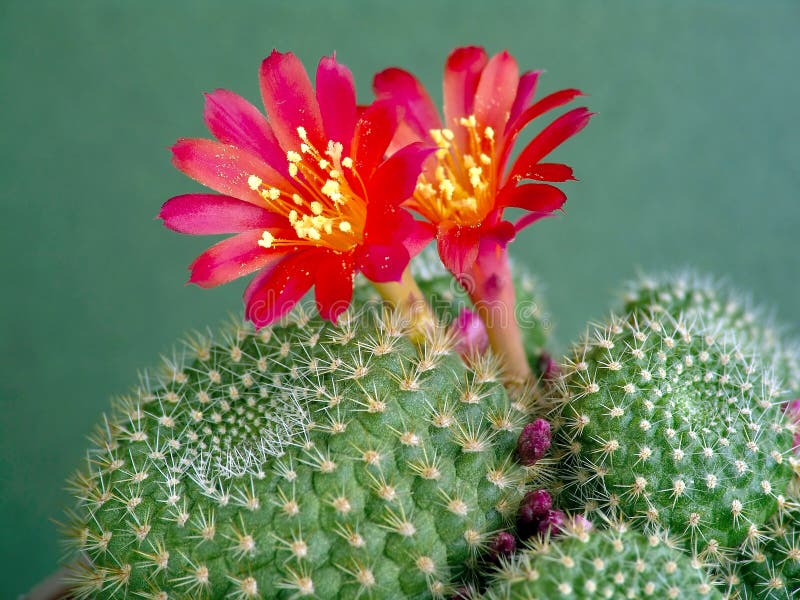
x: 254, y: 182
x: 266, y: 240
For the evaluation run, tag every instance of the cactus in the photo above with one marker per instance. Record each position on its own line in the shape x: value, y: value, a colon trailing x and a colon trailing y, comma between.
x: 612, y: 563
x: 659, y: 421
x: 771, y: 565
x: 724, y: 308
x: 303, y: 460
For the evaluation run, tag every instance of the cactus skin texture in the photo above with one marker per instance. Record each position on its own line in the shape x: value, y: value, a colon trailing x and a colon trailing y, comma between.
x: 770, y: 567
x: 612, y: 563
x: 722, y: 307
x: 305, y: 460
x: 660, y: 422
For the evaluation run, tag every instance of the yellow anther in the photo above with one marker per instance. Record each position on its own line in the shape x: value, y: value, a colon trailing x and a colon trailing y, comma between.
x: 266, y: 240
x: 448, y: 135
x: 297, y: 199
x: 293, y: 169
x: 273, y: 193
x: 475, y: 176
x: 301, y: 131
x: 331, y: 189
x: 254, y: 182
x: 293, y: 157
x: 323, y: 164
x: 334, y: 174
x: 305, y: 148
x: 293, y: 217
x: 316, y: 207
x: 486, y: 159
x: 489, y: 133
x: 347, y: 162
x: 345, y: 226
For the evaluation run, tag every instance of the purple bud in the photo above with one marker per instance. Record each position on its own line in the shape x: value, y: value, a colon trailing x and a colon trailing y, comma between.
x: 502, y: 546
x: 534, y: 442
x: 470, y: 332
x: 548, y: 367
x: 553, y: 522
x: 534, y: 506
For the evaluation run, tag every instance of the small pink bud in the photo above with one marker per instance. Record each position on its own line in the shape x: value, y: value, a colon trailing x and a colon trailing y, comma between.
x: 502, y: 546
x: 553, y: 522
x: 471, y: 336
x: 535, y: 506
x: 548, y: 367
x: 792, y: 410
x: 534, y: 442
x: 582, y: 523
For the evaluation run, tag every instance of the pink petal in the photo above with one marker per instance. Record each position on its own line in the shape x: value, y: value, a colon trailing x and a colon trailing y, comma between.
x: 336, y: 95
x: 290, y: 101
x: 374, y: 130
x: 416, y: 235
x: 535, y: 197
x: 382, y: 263
x: 275, y: 291
x: 233, y: 120
x: 525, y: 91
x: 333, y: 288
x: 405, y: 90
x: 496, y: 91
x: 224, y: 168
x: 458, y: 247
x: 550, y: 138
x: 209, y: 214
x: 230, y: 259
x: 462, y: 71
x: 470, y: 332
x: 395, y: 179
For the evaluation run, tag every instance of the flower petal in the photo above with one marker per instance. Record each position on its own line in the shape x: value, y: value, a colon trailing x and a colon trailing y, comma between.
x: 405, y: 90
x: 525, y: 91
x: 233, y: 120
x: 209, y: 214
x: 275, y: 291
x: 382, y: 263
x: 496, y: 91
x: 230, y: 259
x: 548, y: 103
x: 546, y: 172
x: 333, y: 288
x: 462, y: 71
x: 224, y: 168
x: 374, y: 130
x: 290, y: 101
x: 394, y: 180
x: 336, y: 95
x: 534, y: 197
x: 550, y: 138
x: 458, y: 247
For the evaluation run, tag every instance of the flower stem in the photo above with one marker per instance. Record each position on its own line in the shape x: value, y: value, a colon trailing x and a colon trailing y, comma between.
x: 407, y: 298
x: 491, y: 288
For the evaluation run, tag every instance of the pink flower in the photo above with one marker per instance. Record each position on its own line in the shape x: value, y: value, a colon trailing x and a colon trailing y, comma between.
x: 306, y: 191
x: 467, y: 187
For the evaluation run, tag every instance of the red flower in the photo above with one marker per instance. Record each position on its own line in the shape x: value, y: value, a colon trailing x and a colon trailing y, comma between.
x: 307, y: 193
x: 466, y: 189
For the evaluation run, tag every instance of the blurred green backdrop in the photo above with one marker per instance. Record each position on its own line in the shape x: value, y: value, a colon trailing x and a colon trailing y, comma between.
x: 693, y: 159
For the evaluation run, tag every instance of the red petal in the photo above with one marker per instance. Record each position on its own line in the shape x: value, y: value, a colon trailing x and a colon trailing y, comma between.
x: 382, y: 263
x: 209, y: 214
x: 525, y: 91
x: 333, y: 288
x: 546, y: 172
x: 336, y: 94
x: 419, y: 112
x: 275, y: 291
x: 550, y: 138
x: 548, y: 103
x: 394, y: 180
x: 233, y: 120
x: 290, y: 101
x: 417, y: 235
x: 462, y: 72
x: 534, y: 197
x: 496, y: 91
x: 230, y: 259
x: 374, y: 130
x: 224, y: 168
x: 458, y: 247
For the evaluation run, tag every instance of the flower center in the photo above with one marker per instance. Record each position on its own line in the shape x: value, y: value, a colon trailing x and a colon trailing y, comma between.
x: 461, y: 186
x: 326, y: 211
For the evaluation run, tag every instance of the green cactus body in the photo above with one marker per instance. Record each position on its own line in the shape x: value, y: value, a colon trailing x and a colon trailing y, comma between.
x: 771, y: 565
x: 612, y: 563
x: 304, y: 460
x: 723, y: 308
x: 659, y: 422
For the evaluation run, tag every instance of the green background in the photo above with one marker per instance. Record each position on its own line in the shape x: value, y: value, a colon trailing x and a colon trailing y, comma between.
x: 692, y: 160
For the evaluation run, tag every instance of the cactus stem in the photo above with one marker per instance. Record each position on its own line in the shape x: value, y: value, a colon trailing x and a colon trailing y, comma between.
x: 406, y: 297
